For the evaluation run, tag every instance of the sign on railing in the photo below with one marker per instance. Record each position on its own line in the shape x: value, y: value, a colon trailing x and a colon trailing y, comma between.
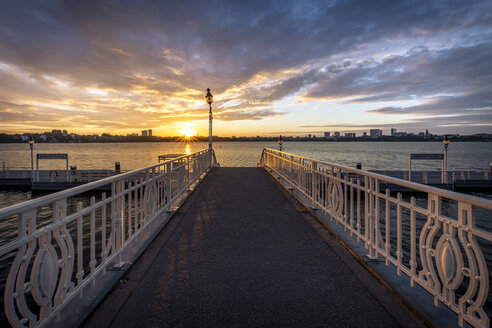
x: 431, y: 157
x: 434, y: 236
x: 52, y: 156
x: 57, y: 244
x: 427, y: 156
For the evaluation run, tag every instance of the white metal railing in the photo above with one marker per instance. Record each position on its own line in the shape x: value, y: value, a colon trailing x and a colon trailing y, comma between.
x: 433, y: 238
x: 63, y: 244
x: 436, y: 177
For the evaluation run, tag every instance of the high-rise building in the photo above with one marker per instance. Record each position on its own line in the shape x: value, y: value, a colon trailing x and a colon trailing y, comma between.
x: 393, y: 132
x: 327, y: 134
x: 336, y: 134
x: 364, y: 134
x: 150, y: 133
x: 374, y: 133
x: 144, y: 133
x: 350, y: 135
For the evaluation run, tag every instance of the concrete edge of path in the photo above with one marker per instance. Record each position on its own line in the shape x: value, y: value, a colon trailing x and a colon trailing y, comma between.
x: 416, y: 299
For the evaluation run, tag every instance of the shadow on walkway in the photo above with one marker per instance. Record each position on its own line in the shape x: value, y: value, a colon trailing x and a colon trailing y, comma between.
x: 242, y: 253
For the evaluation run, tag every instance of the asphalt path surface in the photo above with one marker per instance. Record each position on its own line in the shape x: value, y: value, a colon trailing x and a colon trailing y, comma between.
x: 241, y: 252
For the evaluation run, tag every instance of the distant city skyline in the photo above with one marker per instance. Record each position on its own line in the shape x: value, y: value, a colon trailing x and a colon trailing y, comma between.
x: 64, y: 135
x: 274, y: 67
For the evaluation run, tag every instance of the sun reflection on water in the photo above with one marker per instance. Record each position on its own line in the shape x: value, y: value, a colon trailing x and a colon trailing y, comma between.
x: 187, y: 149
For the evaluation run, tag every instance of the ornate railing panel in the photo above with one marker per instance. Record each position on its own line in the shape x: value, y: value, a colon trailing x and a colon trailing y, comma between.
x: 436, y: 237
x: 65, y: 240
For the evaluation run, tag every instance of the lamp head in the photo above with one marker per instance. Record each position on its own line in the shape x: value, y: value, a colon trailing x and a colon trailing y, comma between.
x: 31, y: 141
x: 209, y: 97
x: 280, y: 141
x: 446, y: 141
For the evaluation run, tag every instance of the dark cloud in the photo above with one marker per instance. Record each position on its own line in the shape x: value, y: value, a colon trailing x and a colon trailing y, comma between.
x: 257, y: 114
x: 475, y: 103
x: 457, y: 123
x: 147, y: 52
x: 414, y: 75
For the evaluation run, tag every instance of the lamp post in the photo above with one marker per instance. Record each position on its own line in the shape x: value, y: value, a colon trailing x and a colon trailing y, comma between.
x: 31, y: 145
x: 209, y: 99
x: 280, y: 142
x: 445, y: 142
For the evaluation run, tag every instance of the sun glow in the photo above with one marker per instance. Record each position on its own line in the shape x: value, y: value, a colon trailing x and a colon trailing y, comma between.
x: 187, y: 132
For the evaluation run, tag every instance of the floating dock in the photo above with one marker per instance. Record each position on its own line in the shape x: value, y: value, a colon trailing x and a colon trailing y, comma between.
x: 51, y: 180
x: 462, y: 180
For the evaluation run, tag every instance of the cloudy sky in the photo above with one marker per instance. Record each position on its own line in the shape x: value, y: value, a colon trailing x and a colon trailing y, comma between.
x: 274, y: 67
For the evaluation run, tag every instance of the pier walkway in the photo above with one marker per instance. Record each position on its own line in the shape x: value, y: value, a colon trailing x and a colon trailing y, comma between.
x: 241, y: 252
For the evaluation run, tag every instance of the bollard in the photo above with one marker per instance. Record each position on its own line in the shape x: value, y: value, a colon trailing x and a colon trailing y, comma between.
x: 358, y: 166
x: 117, y: 167
x: 73, y: 172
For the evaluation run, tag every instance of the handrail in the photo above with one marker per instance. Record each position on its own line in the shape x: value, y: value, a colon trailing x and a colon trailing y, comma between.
x: 476, y: 201
x: 437, y: 244
x: 29, y: 204
x: 67, y: 243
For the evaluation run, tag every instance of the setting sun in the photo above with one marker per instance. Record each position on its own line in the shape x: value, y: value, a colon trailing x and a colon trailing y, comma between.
x: 187, y: 132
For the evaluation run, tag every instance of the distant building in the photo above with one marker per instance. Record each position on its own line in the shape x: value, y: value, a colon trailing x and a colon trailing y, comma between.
x: 132, y: 134
x: 350, y: 135
x: 364, y: 134
x: 327, y: 134
x: 336, y: 134
x: 400, y: 134
x: 426, y: 133
x: 144, y: 133
x: 309, y: 136
x: 421, y: 134
x: 150, y: 132
x: 374, y: 133
x: 393, y: 132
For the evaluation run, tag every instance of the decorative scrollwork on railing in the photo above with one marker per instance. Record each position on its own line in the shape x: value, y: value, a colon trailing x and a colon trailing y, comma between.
x: 447, y: 257
x: 16, y: 288
x: 44, y: 275
x: 335, y: 197
x: 471, y: 303
x: 42, y: 259
x: 427, y: 236
x: 65, y: 244
x: 150, y: 201
x: 47, y: 285
x: 452, y: 267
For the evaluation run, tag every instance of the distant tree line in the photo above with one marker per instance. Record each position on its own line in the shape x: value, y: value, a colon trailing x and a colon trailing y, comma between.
x: 64, y: 137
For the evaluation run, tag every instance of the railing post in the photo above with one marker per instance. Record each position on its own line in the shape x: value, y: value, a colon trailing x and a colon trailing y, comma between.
x: 413, y: 241
x: 366, y: 212
x: 104, y: 246
x: 399, y: 249
x: 313, y: 176
x: 371, y: 219
x: 169, y: 170
x: 387, y: 229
